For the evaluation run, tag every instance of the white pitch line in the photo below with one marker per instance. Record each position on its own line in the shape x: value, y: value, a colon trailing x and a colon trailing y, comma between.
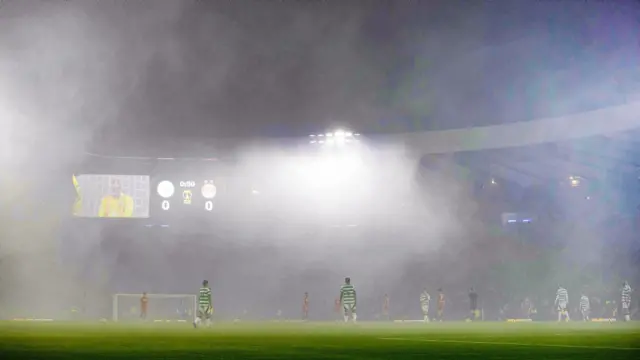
x: 514, y: 344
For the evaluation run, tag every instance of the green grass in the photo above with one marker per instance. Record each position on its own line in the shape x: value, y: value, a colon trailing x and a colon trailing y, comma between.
x: 322, y: 341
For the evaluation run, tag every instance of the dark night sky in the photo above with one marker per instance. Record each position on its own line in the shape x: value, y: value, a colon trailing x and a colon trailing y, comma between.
x: 143, y: 69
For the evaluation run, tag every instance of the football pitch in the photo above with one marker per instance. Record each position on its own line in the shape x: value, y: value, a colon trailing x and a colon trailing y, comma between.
x: 23, y: 340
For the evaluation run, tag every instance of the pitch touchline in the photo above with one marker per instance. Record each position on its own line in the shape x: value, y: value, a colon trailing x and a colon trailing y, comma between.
x: 512, y: 344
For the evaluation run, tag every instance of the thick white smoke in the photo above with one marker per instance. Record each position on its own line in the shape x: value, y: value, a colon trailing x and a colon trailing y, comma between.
x: 117, y: 75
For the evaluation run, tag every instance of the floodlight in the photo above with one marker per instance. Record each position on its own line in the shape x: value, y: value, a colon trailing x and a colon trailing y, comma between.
x: 166, y: 189
x: 338, y: 137
x: 574, y: 181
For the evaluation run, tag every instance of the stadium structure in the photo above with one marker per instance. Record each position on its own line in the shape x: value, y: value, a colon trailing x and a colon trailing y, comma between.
x: 510, y: 210
x: 532, y: 197
x: 534, y: 203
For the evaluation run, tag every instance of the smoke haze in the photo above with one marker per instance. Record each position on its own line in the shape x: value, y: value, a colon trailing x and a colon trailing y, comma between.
x: 112, y: 76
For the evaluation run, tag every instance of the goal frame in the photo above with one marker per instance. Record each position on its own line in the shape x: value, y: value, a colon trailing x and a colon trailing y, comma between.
x: 114, y: 301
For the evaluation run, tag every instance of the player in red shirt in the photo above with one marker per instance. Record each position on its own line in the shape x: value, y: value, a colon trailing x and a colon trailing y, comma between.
x: 385, y: 307
x: 144, y: 301
x: 337, y: 307
x: 305, y: 306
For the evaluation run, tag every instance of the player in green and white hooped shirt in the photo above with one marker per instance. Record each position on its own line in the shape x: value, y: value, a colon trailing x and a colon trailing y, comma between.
x: 205, y: 307
x: 348, y: 300
x: 562, y: 301
x: 425, y: 298
x: 626, y: 300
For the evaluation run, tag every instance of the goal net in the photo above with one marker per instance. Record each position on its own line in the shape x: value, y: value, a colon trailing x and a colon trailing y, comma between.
x: 160, y: 308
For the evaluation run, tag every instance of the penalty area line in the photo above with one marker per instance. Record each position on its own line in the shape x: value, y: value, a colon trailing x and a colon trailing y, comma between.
x: 513, y: 344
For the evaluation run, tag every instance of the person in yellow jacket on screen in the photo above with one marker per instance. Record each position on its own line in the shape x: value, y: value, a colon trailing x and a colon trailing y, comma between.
x: 77, y: 205
x: 116, y: 203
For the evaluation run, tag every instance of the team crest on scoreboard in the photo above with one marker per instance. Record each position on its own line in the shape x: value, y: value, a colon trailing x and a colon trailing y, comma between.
x: 186, y: 197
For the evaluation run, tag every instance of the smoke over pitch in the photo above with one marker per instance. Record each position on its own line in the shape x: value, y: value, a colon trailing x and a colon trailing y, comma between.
x: 57, y: 90
x: 63, y: 81
x: 74, y: 72
x: 115, y: 76
x: 379, y: 225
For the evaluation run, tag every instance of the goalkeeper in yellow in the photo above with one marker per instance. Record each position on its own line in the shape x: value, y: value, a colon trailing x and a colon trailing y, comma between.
x: 116, y: 204
x: 205, y: 307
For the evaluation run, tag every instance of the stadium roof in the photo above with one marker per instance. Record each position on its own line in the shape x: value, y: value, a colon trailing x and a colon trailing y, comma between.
x: 605, y: 121
x: 589, y: 145
x: 595, y: 157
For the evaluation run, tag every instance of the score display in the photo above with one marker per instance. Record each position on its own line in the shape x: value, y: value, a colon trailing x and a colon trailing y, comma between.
x: 185, y: 194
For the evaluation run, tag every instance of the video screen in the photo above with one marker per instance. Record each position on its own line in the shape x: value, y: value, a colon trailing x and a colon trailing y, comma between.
x: 111, y: 196
x: 184, y: 195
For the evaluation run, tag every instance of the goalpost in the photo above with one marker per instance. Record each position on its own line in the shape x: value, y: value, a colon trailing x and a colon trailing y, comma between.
x: 160, y: 307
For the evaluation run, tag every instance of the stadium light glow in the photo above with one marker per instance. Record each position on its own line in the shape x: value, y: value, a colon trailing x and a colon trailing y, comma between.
x: 328, y: 170
x: 166, y: 189
x: 574, y: 181
x: 338, y: 137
